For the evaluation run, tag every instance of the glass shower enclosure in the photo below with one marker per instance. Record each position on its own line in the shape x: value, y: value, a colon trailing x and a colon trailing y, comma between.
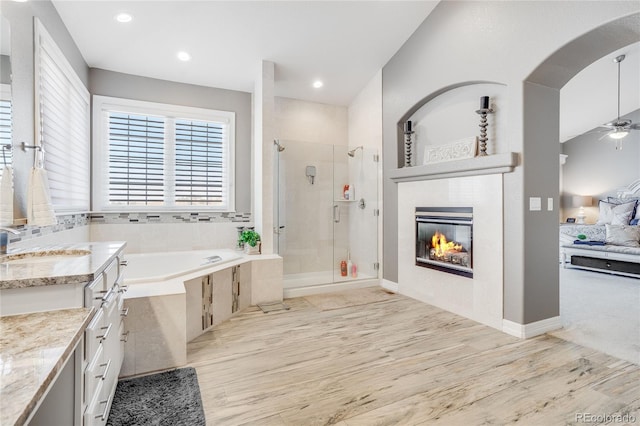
x: 326, y: 212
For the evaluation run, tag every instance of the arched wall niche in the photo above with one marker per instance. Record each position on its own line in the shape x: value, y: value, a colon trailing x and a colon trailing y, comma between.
x: 448, y: 114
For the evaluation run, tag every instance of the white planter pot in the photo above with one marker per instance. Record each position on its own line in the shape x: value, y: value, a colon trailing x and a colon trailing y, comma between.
x: 252, y: 250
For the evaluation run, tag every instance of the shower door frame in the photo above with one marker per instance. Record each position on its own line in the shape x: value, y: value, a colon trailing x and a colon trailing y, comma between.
x: 298, y: 155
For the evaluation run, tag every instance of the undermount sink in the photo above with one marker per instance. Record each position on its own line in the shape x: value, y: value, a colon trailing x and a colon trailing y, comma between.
x: 42, y: 256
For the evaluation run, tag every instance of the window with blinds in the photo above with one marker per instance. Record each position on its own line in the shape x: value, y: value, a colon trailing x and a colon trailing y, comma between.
x: 136, y: 160
x: 150, y: 156
x: 199, y: 163
x: 5, y: 134
x: 62, y: 127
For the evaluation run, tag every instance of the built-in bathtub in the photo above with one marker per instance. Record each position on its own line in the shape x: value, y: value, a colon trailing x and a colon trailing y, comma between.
x: 162, y: 266
x: 164, y: 299
x: 156, y: 274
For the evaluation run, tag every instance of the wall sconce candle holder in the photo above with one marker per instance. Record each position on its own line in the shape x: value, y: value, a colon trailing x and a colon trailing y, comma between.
x: 483, y: 111
x: 408, y: 144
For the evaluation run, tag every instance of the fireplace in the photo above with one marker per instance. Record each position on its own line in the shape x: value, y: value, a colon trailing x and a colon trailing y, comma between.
x: 444, y: 239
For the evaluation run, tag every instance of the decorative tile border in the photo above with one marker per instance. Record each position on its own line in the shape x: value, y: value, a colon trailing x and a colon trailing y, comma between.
x: 70, y: 221
x: 65, y: 222
x: 139, y: 218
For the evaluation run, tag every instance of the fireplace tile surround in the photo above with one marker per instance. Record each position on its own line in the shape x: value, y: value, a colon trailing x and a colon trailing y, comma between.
x: 480, y: 297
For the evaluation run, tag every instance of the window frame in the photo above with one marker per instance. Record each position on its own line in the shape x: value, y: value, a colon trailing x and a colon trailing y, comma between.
x: 102, y: 105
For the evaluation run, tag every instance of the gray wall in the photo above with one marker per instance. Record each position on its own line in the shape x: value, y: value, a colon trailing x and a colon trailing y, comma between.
x: 109, y: 83
x: 594, y: 167
x: 21, y: 20
x: 5, y: 69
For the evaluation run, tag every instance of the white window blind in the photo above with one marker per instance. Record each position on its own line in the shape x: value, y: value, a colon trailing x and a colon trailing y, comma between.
x: 5, y: 134
x: 62, y: 108
x: 136, y: 160
x: 161, y: 157
x: 199, y: 163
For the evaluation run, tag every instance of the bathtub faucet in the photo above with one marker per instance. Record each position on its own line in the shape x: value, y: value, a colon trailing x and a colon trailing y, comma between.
x: 4, y: 238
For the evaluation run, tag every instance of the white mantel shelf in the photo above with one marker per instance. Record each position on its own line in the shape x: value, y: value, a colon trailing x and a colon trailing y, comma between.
x: 491, y: 164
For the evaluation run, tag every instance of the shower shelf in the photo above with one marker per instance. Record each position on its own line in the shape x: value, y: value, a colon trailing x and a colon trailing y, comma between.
x: 342, y: 200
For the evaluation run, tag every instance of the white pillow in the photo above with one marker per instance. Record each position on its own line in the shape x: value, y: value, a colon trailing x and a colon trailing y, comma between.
x: 615, y: 214
x: 615, y: 200
x: 621, y: 235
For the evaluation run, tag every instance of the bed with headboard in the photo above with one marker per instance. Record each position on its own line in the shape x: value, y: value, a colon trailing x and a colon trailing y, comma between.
x: 612, y: 244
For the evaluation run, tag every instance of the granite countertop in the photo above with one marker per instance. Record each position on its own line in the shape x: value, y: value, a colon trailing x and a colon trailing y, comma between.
x: 33, y: 349
x: 72, y: 265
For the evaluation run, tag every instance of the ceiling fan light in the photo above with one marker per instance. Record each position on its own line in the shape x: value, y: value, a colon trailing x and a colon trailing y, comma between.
x: 618, y: 134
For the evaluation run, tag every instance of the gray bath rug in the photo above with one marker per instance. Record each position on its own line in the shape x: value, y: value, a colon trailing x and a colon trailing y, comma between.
x: 171, y: 398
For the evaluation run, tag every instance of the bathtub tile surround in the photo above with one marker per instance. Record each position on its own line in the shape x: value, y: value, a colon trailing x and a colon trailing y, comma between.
x: 34, y: 348
x: 266, y: 273
x: 166, y: 312
x: 156, y: 339
x: 168, y: 237
x: 212, y: 230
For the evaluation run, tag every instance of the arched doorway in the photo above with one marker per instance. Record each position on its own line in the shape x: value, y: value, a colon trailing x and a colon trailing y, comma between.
x: 541, y: 98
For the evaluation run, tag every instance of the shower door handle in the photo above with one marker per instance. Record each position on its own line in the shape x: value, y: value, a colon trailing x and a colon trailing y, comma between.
x: 336, y: 213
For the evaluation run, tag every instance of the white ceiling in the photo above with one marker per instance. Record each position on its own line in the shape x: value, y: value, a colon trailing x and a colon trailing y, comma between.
x: 590, y: 99
x: 342, y: 43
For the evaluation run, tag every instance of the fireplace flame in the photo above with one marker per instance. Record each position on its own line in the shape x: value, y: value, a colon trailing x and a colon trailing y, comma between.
x: 441, y: 245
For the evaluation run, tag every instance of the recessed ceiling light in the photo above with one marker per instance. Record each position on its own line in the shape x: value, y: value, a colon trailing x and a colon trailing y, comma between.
x: 318, y: 84
x: 124, y: 17
x: 184, y: 56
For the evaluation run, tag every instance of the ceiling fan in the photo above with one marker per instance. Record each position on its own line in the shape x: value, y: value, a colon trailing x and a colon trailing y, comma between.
x: 618, y: 128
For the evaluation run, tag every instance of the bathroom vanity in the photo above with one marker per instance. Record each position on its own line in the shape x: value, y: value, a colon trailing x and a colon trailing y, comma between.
x: 81, y: 286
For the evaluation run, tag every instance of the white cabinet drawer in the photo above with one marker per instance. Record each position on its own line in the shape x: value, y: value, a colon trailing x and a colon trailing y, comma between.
x: 93, y: 374
x: 97, y: 412
x: 92, y: 336
x: 94, y: 293
x: 110, y: 273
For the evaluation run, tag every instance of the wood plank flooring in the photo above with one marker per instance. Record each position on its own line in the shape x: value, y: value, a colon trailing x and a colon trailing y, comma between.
x: 367, y: 357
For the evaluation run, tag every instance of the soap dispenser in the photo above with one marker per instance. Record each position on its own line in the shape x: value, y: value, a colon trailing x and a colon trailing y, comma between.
x: 349, y: 264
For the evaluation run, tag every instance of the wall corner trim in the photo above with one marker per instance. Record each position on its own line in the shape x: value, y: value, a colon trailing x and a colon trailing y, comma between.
x: 389, y: 285
x: 532, y: 329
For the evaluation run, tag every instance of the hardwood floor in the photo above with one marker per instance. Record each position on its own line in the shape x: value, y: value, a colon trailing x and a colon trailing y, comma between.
x: 366, y: 357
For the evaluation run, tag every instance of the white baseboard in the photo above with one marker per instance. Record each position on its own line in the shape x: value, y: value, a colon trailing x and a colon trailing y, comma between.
x: 532, y: 329
x: 328, y: 288
x: 389, y: 285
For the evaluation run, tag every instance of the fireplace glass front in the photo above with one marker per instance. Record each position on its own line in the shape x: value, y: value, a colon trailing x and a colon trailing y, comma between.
x: 444, y: 239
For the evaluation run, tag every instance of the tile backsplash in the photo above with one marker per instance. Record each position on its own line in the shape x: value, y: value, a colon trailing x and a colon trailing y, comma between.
x: 65, y: 223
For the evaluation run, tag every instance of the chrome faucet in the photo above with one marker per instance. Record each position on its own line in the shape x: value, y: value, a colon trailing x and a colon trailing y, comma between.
x: 4, y: 238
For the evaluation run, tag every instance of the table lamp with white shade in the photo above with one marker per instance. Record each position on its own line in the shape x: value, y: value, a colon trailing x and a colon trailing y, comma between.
x: 581, y: 201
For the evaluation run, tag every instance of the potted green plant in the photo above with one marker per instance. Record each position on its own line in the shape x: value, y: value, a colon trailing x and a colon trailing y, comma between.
x: 251, y: 240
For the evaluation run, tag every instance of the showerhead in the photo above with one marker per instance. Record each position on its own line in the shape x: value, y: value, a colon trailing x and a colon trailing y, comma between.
x: 352, y: 153
x: 280, y: 147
